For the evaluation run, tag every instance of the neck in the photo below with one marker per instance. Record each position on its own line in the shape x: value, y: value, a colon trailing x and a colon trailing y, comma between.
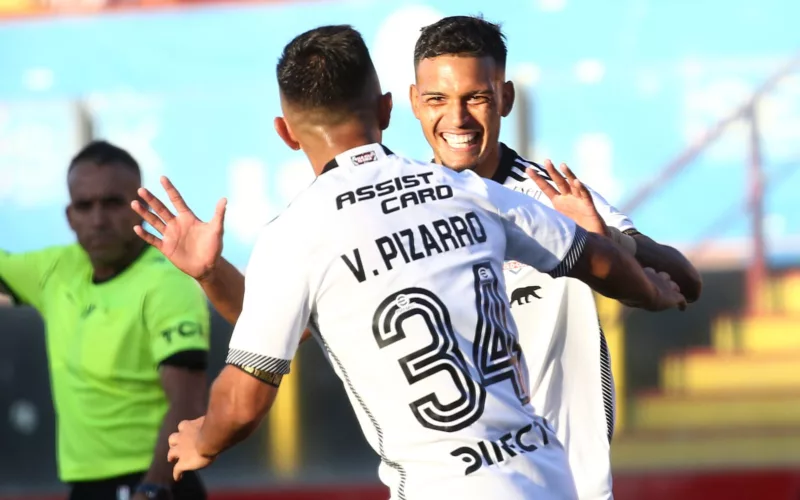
x: 488, y: 167
x: 325, y: 143
x: 105, y: 271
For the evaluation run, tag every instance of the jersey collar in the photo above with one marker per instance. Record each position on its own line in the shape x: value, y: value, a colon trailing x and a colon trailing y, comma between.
x: 358, y: 156
x: 507, y: 159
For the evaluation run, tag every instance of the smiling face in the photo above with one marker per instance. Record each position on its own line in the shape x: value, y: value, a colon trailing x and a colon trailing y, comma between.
x: 460, y: 101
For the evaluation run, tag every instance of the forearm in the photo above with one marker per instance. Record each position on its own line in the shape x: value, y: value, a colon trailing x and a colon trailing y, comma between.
x: 224, y: 288
x: 612, y: 272
x: 233, y: 414
x: 666, y: 259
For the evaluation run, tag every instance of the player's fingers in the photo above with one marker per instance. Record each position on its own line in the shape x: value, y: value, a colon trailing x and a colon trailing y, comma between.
x: 173, y: 439
x: 149, y: 238
x: 681, y: 302
x: 567, y: 172
x: 579, y: 189
x: 151, y: 218
x: 542, y: 183
x: 664, y: 275
x: 172, y: 455
x: 175, y: 196
x: 177, y: 471
x: 156, y: 205
x: 558, y: 179
x: 219, y: 213
x: 182, y: 425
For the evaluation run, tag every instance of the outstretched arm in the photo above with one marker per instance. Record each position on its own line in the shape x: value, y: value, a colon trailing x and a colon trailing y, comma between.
x: 552, y: 243
x: 575, y: 200
x: 224, y: 287
x: 262, y: 346
x: 612, y: 272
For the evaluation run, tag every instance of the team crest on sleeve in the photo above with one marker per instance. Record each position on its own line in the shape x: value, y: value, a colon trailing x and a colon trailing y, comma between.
x: 363, y: 158
x: 513, y: 266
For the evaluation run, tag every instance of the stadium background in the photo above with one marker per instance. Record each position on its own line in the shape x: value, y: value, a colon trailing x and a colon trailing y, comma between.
x: 651, y: 102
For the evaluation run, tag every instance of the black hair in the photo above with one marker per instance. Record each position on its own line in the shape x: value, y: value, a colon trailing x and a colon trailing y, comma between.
x: 105, y: 153
x: 462, y: 35
x: 328, y: 68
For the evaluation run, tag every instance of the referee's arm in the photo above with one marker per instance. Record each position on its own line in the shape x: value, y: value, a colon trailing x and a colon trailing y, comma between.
x: 21, y: 276
x: 178, y: 323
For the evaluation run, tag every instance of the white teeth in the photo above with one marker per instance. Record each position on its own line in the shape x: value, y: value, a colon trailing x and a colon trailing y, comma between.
x: 459, y: 140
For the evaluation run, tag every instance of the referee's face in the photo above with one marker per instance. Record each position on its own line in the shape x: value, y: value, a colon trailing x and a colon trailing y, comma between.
x: 99, y: 211
x: 459, y: 101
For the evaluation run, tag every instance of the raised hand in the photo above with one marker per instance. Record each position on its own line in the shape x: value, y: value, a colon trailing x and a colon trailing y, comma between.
x: 192, y: 245
x: 569, y: 196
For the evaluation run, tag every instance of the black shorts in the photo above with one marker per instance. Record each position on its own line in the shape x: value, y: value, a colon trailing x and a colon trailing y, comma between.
x: 123, y: 488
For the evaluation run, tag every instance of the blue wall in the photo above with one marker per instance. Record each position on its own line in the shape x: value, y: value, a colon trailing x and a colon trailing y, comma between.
x: 620, y: 86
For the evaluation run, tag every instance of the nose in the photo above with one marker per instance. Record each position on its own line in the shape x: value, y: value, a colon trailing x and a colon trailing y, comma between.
x: 98, y: 218
x: 458, y: 113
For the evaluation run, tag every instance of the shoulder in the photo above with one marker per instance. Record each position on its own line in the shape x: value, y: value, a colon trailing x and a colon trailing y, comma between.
x: 512, y: 168
x: 301, y: 214
x: 71, y: 255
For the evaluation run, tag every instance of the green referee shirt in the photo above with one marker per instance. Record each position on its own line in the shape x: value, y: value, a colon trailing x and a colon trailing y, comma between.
x: 104, y: 344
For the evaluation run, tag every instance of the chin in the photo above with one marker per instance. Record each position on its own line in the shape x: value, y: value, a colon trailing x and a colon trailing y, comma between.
x: 459, y: 166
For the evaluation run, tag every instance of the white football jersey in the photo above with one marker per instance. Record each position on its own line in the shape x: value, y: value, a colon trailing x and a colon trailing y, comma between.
x: 397, y: 268
x: 568, y: 361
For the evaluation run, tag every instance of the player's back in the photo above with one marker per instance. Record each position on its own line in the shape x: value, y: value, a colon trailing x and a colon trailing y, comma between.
x: 406, y: 295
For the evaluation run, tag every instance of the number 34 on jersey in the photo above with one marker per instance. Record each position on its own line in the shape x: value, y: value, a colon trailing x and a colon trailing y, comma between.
x: 496, y: 353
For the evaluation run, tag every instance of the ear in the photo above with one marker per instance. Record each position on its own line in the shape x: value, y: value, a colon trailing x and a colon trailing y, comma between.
x: 413, y: 95
x: 285, y: 133
x: 385, y: 110
x: 68, y: 212
x: 508, y: 98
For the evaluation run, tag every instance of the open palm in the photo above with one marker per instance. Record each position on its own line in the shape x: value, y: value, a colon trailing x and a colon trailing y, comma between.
x: 192, y: 245
x: 569, y: 196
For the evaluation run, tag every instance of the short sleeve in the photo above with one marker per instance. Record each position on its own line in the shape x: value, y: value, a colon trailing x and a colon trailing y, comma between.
x: 276, y: 302
x: 610, y: 214
x: 176, y: 316
x: 536, y: 234
x: 24, y: 274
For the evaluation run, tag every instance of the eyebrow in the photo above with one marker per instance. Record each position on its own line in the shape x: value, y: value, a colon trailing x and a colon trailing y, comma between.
x: 442, y: 94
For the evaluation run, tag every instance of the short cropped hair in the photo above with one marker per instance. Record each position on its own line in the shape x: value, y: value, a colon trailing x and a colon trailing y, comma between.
x: 462, y: 36
x: 327, y: 69
x: 105, y: 153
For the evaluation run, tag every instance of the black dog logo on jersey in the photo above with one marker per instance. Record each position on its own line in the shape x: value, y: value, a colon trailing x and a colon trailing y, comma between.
x: 526, y: 293
x: 363, y: 158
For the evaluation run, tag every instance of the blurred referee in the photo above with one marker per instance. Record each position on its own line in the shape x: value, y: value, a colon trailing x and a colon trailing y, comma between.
x: 126, y: 334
